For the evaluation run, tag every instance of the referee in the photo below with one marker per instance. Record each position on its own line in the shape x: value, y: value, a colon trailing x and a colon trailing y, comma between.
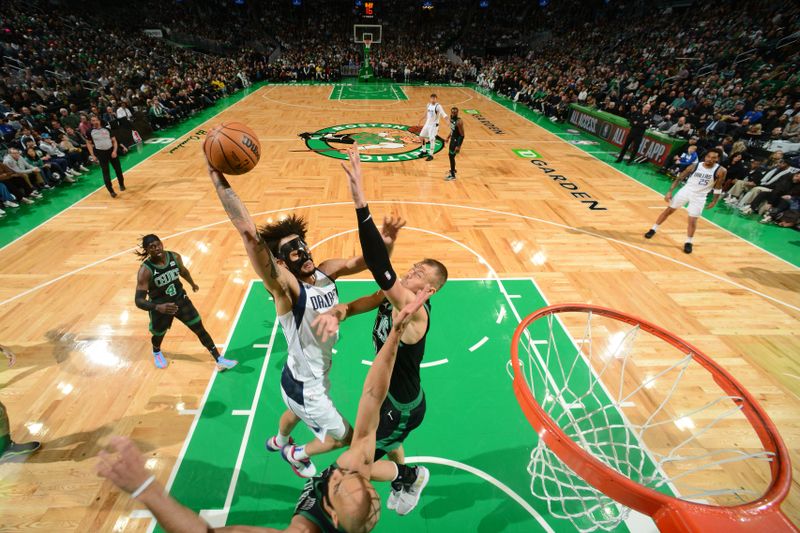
x: 102, y: 147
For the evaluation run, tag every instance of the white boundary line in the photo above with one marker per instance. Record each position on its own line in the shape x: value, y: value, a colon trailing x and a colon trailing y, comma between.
x: 222, y: 514
x: 188, y: 439
x: 630, y: 178
x: 488, y: 478
x: 245, y: 97
x: 479, y: 343
x: 435, y: 204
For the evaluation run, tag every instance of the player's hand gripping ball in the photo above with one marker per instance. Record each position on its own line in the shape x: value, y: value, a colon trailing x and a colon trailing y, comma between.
x: 232, y: 148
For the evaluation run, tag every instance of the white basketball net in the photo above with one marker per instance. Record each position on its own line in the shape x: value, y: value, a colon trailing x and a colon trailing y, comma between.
x: 585, y: 387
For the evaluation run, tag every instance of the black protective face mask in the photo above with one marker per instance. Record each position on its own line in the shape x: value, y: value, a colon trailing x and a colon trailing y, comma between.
x: 303, y: 255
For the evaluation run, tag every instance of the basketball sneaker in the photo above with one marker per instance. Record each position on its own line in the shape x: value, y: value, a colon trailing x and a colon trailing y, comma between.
x: 409, y: 497
x: 687, y: 247
x: 15, y: 451
x: 394, y: 497
x: 429, y: 158
x: 302, y: 467
x: 159, y: 360
x: 650, y: 233
x: 225, y: 364
x: 273, y: 446
x: 450, y: 177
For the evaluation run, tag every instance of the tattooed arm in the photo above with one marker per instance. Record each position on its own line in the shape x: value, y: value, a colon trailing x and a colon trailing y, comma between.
x: 275, y: 277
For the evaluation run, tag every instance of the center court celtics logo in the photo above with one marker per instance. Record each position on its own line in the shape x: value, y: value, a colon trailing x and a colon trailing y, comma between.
x: 378, y: 142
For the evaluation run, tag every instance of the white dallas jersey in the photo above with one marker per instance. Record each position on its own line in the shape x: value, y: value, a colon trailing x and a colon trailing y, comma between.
x: 701, y: 181
x: 433, y: 110
x: 309, y: 358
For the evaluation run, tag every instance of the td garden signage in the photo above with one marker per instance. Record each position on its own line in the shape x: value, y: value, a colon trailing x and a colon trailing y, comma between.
x: 378, y: 142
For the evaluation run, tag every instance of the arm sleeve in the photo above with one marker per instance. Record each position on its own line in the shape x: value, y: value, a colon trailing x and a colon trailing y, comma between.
x: 374, y: 250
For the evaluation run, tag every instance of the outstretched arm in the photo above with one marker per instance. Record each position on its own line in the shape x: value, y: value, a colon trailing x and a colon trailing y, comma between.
x: 375, y: 254
x: 335, y: 268
x: 376, y: 386
x: 275, y: 277
x: 124, y: 467
x: 327, y: 324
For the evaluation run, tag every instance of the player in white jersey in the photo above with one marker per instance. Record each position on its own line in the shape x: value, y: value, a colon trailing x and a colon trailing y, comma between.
x: 700, y: 178
x: 433, y: 112
x: 301, y: 291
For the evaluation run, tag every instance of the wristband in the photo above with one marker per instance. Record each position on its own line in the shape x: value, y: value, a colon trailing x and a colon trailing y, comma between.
x: 143, y: 487
x: 717, y: 191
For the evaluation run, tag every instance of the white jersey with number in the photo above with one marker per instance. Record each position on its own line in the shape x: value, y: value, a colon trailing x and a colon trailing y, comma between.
x: 309, y: 358
x: 701, y: 181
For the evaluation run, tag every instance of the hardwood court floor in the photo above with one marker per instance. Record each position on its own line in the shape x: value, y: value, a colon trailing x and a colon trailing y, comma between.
x: 84, y: 371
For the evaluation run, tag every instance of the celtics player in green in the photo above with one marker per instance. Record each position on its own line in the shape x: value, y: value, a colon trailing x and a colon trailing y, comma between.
x: 159, y: 291
x: 404, y: 408
x: 11, y: 451
x: 456, y: 139
x: 340, y: 499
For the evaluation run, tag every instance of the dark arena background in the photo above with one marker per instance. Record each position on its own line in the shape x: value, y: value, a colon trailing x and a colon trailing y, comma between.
x: 633, y: 164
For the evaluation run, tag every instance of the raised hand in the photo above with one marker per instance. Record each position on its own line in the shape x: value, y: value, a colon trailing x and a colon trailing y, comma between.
x: 354, y: 174
x: 391, y: 227
x: 403, y: 318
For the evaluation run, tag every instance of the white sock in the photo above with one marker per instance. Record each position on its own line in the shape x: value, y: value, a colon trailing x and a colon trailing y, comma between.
x: 689, y: 239
x: 655, y: 227
x: 433, y: 145
x: 281, y: 439
x: 299, y: 453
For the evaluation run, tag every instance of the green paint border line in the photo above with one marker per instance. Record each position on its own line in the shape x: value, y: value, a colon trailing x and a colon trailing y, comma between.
x: 196, y: 419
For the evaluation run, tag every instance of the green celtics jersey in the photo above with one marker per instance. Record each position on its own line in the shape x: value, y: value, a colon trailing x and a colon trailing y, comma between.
x: 165, y: 280
x: 310, y: 503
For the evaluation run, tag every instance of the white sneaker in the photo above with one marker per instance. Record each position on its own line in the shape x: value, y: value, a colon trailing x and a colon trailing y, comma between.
x: 83, y: 168
x: 36, y: 194
x: 56, y: 176
x: 302, y: 467
x: 27, y: 201
x: 394, y: 497
x: 69, y: 179
x: 9, y: 203
x: 2, y: 213
x: 69, y: 172
x: 746, y: 210
x: 409, y: 499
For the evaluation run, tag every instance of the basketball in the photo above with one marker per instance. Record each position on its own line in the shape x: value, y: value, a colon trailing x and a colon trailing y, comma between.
x: 232, y: 148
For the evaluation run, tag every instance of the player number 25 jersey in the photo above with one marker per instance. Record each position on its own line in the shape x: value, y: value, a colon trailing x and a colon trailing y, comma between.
x: 701, y: 181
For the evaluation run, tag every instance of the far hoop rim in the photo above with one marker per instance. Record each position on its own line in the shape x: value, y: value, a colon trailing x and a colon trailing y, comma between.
x: 670, y: 513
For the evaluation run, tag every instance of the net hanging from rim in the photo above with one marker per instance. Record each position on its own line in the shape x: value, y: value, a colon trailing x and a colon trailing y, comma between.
x: 630, y: 416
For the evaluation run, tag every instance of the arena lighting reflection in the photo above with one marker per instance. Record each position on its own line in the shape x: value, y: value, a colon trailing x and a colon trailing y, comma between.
x: 203, y: 247
x: 517, y: 246
x: 123, y: 317
x: 65, y: 388
x: 34, y: 428
x: 539, y: 258
x: 99, y: 353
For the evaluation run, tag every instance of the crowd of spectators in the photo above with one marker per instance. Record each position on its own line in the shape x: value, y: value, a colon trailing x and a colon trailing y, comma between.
x: 722, y: 74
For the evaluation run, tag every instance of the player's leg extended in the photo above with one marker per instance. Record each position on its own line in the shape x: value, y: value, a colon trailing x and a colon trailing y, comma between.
x: 188, y: 314
x: 665, y: 214
x: 690, y: 229
x: 286, y: 425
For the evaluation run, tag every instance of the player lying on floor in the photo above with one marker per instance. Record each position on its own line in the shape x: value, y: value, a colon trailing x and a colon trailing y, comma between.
x: 342, y: 498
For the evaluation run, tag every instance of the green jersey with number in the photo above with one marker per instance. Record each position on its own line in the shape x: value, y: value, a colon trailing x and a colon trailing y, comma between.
x: 165, y: 280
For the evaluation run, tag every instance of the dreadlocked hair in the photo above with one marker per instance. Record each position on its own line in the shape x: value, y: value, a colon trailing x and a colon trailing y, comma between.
x: 147, y: 240
x: 273, y: 233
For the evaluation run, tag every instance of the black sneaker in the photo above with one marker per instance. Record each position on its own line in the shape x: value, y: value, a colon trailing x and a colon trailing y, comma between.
x: 687, y: 247
x: 113, y: 194
x: 649, y: 234
x: 15, y: 452
x: 429, y: 158
x: 121, y: 187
